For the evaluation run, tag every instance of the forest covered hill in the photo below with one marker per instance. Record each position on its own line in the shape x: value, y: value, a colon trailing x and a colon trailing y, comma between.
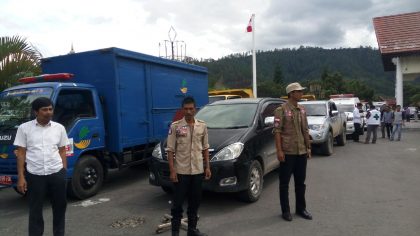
x: 304, y: 64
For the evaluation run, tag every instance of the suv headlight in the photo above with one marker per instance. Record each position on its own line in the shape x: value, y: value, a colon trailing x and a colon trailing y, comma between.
x: 229, y: 152
x: 157, y: 152
x: 316, y: 127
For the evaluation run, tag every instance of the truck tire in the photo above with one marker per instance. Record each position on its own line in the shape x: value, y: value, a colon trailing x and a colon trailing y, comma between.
x: 342, y: 139
x: 255, y: 182
x: 327, y: 147
x: 88, y: 176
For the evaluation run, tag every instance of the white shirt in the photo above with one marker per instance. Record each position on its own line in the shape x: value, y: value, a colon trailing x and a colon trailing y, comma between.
x: 42, y: 143
x: 374, y: 118
x: 356, y: 116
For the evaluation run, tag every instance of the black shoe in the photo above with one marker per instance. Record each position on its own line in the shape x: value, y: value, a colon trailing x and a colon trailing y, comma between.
x: 305, y: 214
x: 195, y: 232
x: 287, y: 216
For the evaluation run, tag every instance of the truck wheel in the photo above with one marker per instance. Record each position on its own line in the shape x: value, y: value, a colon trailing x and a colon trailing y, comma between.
x: 341, y: 139
x: 255, y: 182
x: 88, y: 176
x: 327, y: 147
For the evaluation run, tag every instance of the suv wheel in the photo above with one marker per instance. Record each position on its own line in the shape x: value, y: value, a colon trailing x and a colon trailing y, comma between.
x: 255, y: 183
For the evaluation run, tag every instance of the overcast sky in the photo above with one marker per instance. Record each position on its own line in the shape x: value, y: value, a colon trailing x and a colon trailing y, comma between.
x: 210, y: 28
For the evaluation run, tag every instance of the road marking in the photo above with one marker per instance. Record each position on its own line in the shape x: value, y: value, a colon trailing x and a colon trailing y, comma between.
x: 89, y: 203
x: 412, y: 149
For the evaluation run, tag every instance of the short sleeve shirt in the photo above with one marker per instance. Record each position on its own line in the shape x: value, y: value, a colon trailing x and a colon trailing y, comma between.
x: 42, y: 143
x: 188, y: 143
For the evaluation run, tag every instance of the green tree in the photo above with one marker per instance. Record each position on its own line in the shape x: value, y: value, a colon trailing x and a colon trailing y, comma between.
x: 278, y: 76
x: 270, y: 89
x: 17, y: 59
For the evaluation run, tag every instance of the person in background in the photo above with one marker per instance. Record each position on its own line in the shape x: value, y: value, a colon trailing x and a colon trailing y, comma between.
x: 357, y: 120
x: 373, y: 121
x: 41, y: 144
x: 386, y: 124
x: 407, y: 114
x: 398, y: 122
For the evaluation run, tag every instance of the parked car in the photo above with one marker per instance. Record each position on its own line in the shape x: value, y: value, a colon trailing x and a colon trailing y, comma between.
x: 326, y: 123
x: 413, y: 112
x: 242, y: 148
x: 347, y: 106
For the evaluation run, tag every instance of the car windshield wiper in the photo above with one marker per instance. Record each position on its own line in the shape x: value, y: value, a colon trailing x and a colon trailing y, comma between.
x: 237, y: 127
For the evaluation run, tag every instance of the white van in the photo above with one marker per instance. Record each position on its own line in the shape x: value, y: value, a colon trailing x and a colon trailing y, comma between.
x: 347, y: 105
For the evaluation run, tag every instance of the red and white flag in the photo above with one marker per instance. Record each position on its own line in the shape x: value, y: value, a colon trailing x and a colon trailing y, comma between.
x: 249, y: 27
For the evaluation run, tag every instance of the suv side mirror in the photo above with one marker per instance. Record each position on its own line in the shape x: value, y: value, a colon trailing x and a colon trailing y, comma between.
x: 269, y: 121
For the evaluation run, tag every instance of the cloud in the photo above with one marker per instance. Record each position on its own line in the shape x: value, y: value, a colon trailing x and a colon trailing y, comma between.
x: 210, y: 28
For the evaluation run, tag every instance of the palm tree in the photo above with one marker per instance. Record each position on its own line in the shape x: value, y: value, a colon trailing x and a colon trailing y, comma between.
x: 17, y: 59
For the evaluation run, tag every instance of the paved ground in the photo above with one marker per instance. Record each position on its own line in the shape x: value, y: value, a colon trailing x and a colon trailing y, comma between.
x: 360, y: 190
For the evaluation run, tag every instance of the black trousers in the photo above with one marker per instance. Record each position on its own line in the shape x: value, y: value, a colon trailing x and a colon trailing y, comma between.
x: 357, y: 132
x: 388, y: 128
x: 296, y: 165
x: 188, y: 187
x: 38, y: 187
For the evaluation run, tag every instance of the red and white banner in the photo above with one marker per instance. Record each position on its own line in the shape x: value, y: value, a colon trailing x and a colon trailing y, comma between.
x: 249, y: 27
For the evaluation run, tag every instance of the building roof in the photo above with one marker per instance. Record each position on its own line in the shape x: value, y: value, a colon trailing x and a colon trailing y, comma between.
x: 397, y: 35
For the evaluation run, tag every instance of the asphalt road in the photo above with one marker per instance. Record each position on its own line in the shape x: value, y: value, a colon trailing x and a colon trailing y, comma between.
x: 360, y: 190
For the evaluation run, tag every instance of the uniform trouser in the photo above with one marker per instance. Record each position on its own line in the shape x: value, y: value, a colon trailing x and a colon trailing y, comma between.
x: 38, y: 187
x: 190, y: 187
x: 388, y: 128
x: 296, y: 165
x: 357, y: 131
x: 371, y: 129
x: 397, y: 128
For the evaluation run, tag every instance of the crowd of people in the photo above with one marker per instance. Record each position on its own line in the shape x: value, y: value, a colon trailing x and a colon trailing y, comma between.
x: 389, y: 119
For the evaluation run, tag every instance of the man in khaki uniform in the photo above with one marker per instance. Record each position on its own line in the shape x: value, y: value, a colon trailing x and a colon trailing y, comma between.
x: 188, y: 140
x: 293, y: 149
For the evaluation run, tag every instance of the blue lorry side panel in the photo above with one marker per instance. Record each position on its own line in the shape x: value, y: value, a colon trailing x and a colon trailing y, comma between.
x: 140, y: 93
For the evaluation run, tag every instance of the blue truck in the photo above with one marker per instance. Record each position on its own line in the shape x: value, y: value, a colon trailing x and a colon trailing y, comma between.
x: 115, y: 104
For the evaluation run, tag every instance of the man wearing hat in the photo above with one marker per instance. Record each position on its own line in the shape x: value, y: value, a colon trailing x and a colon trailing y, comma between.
x: 293, y: 149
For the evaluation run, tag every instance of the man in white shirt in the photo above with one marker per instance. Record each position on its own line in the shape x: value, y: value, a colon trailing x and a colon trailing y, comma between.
x: 357, y: 120
x: 41, y: 143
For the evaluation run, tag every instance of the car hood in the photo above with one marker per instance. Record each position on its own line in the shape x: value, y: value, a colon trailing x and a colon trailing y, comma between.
x: 316, y: 120
x: 220, y: 138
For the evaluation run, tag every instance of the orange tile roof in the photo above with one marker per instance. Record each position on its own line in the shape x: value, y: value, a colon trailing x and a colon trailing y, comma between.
x: 397, y: 35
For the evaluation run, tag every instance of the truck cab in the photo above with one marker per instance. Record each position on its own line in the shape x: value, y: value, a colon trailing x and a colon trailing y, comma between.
x: 76, y: 106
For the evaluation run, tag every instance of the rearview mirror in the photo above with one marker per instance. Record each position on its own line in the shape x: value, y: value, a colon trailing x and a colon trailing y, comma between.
x: 269, y: 121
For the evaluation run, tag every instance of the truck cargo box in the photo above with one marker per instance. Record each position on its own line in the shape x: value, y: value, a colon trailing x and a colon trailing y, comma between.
x: 140, y: 93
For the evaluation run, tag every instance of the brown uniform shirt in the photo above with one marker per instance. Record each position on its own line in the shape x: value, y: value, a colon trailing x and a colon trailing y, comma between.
x: 292, y: 124
x: 188, y: 144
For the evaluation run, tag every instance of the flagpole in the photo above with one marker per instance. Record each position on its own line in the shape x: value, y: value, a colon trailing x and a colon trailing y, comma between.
x: 254, y: 59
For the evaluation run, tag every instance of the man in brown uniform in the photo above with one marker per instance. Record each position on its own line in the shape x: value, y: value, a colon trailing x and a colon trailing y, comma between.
x: 293, y: 149
x: 188, y: 140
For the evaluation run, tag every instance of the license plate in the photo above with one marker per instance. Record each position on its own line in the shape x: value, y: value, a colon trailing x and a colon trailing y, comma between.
x: 6, y: 180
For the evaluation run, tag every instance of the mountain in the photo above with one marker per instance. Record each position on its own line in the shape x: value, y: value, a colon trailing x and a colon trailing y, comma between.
x: 302, y: 64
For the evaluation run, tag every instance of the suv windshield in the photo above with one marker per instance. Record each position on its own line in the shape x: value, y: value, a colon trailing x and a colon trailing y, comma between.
x: 228, y: 116
x: 345, y: 107
x: 315, y: 109
x: 15, y: 105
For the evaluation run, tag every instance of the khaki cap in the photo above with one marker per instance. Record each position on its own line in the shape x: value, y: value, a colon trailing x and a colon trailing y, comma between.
x: 294, y: 86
